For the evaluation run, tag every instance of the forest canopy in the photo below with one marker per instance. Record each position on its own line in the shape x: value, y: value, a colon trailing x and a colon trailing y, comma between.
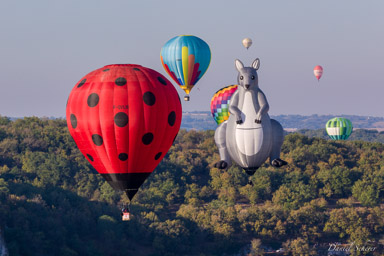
x: 52, y: 202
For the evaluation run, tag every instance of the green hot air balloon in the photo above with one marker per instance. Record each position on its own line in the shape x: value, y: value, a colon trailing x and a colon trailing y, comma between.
x: 339, y: 128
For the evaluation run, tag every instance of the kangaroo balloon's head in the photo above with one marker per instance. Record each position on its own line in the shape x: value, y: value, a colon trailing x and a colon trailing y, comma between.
x: 247, y: 77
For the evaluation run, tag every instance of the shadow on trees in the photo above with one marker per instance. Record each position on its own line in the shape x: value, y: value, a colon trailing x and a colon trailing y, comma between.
x: 54, y: 221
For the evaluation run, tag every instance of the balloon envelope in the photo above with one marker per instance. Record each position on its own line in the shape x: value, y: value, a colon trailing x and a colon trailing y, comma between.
x: 220, y: 103
x: 339, y: 128
x: 318, y: 71
x: 185, y: 58
x: 124, y: 119
x: 247, y: 42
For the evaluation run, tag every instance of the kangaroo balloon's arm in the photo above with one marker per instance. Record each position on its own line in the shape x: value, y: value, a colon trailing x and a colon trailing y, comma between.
x: 264, y: 106
x: 234, y: 109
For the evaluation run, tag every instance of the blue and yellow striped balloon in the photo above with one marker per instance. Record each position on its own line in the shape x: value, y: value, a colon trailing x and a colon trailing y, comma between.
x: 185, y: 58
x: 339, y: 128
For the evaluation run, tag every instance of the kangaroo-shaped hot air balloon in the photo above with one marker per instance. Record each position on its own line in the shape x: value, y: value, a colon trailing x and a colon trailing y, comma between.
x: 249, y: 136
x: 124, y: 118
x: 185, y: 58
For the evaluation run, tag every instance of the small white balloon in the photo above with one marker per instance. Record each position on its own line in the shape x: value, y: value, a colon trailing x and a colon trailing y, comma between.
x: 247, y: 42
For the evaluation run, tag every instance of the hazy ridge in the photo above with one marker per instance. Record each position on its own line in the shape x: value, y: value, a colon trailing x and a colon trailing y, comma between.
x: 203, y: 120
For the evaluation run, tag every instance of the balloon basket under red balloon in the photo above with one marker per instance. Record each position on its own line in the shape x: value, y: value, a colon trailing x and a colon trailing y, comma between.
x: 126, y: 216
x: 126, y: 212
x: 186, y: 98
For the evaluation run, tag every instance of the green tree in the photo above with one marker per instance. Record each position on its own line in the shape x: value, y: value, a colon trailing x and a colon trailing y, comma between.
x: 261, y: 188
x: 294, y: 196
x: 368, y: 192
x: 298, y: 247
x: 357, y: 225
x: 336, y: 182
x: 3, y: 187
x: 307, y: 222
x: 256, y: 249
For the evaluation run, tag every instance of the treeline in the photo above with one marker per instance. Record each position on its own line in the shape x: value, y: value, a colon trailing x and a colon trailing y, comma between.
x: 202, y: 120
x: 53, y: 203
x: 357, y: 134
x: 319, y: 121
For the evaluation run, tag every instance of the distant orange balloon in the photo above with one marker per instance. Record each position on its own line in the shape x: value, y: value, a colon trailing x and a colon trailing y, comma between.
x: 318, y: 71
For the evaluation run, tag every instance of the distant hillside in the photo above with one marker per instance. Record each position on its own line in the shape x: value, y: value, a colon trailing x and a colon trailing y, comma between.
x: 357, y: 134
x: 203, y: 120
x: 199, y: 120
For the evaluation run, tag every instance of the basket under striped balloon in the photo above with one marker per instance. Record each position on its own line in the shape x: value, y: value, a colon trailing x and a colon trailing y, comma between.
x: 339, y: 128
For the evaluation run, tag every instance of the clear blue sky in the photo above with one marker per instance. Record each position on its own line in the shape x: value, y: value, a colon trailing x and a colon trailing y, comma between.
x: 47, y: 46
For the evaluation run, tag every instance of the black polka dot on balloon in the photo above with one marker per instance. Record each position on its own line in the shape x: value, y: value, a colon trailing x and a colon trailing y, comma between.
x: 97, y: 139
x: 105, y: 70
x: 158, y: 155
x: 73, y: 121
x: 82, y: 82
x: 136, y: 69
x: 90, y: 157
x: 120, y: 81
x: 149, y: 98
x: 172, y: 118
x: 93, y: 100
x: 161, y: 80
x: 123, y: 156
x: 147, y: 138
x: 121, y: 119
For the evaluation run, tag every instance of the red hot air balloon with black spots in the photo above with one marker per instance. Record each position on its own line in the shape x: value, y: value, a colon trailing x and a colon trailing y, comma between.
x: 124, y: 118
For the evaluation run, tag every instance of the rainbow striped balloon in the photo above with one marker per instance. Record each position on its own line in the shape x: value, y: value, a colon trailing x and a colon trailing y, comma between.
x: 339, y: 128
x: 185, y: 58
x: 220, y: 103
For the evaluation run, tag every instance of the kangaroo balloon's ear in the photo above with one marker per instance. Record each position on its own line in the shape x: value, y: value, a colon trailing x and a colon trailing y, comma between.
x: 239, y: 65
x: 256, y: 64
